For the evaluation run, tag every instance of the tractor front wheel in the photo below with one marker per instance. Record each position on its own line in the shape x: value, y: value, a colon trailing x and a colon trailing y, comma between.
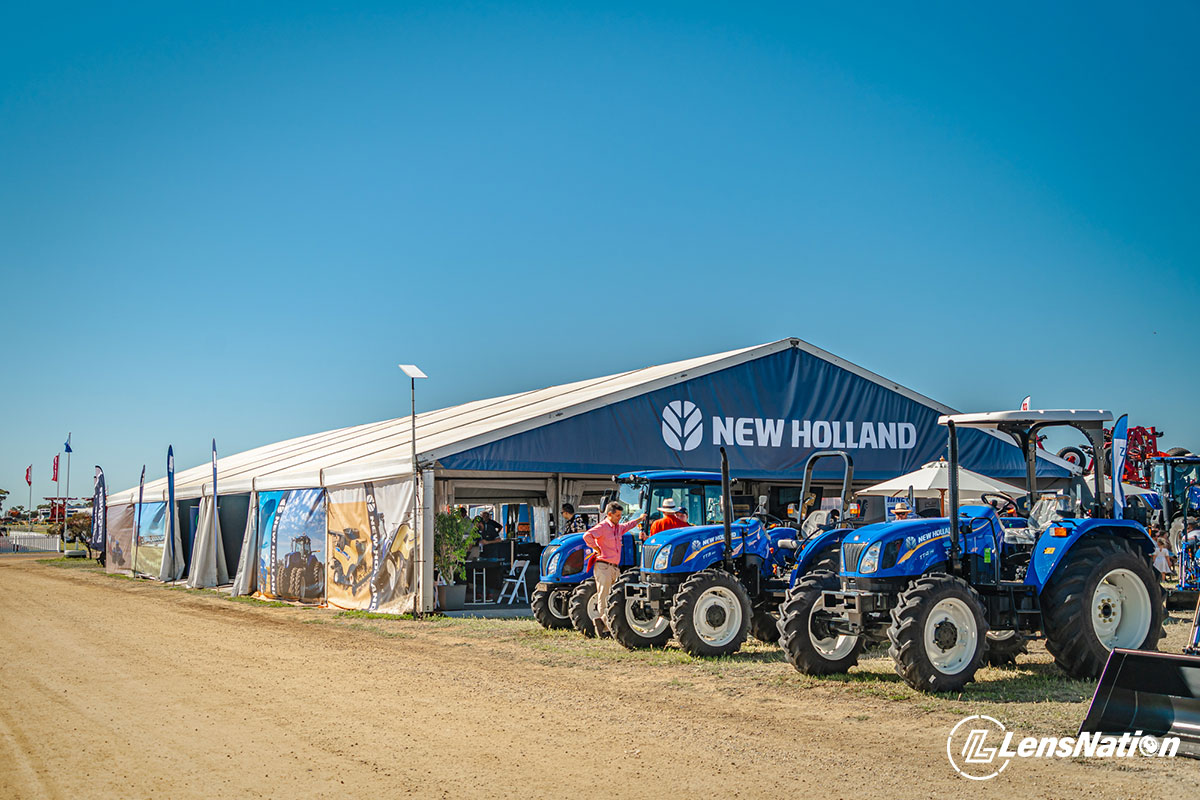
x: 583, y: 608
x: 711, y: 614
x: 1102, y: 596
x: 810, y: 646
x: 634, y: 624
x: 764, y: 624
x: 938, y: 633
x: 1003, y: 647
x: 549, y: 605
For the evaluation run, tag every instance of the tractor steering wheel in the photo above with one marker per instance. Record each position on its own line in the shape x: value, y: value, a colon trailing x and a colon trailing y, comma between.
x: 1004, y: 501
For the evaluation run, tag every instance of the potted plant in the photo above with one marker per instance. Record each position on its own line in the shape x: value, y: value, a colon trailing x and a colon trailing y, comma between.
x: 453, y: 536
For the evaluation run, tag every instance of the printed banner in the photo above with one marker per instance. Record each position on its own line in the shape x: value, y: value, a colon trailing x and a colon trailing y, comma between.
x: 119, y: 534
x: 371, y: 547
x: 151, y: 538
x: 292, y: 533
x: 99, y: 512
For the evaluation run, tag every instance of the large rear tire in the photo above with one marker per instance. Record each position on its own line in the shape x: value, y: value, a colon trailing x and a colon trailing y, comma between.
x: 634, y: 625
x: 938, y: 633
x: 549, y: 605
x: 582, y: 608
x: 828, y: 560
x: 1103, y: 596
x: 807, y: 643
x: 711, y: 614
x: 1179, y: 451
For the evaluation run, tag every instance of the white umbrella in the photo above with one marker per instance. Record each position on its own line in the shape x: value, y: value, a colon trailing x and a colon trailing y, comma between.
x: 933, y: 480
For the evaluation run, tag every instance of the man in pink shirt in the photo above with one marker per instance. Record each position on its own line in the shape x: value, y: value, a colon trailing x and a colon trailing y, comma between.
x: 605, y: 541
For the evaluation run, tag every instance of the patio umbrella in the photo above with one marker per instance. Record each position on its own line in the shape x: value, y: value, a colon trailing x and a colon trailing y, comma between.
x: 933, y: 480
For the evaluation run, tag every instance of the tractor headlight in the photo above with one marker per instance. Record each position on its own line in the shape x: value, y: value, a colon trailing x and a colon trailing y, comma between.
x: 870, y: 559
x: 662, y: 558
x: 552, y: 564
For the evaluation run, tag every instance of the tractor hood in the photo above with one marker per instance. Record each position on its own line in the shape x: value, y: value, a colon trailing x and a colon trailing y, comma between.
x: 686, y: 535
x: 909, y: 546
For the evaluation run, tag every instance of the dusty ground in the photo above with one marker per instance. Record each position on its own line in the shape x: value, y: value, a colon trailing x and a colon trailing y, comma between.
x: 121, y: 688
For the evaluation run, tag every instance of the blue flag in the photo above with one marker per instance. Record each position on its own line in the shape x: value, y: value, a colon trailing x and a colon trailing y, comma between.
x: 214, y: 474
x: 170, y: 558
x: 68, y: 443
x: 1119, y: 446
x: 99, y: 512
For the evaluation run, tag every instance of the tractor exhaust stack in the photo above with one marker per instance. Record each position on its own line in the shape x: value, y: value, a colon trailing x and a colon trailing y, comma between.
x: 727, y: 510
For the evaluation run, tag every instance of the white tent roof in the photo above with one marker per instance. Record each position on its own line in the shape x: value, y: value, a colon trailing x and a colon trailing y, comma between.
x: 381, y: 450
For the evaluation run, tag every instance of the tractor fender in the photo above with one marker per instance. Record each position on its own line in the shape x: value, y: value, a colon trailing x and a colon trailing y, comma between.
x: 817, y: 544
x: 1050, y: 550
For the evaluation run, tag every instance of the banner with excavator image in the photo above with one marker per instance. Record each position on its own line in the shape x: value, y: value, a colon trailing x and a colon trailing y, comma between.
x: 370, y: 547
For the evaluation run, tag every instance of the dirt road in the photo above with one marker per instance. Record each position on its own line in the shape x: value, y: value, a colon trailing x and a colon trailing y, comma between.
x: 122, y: 688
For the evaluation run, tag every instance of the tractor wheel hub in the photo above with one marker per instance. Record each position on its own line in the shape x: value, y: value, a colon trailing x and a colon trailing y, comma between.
x: 945, y: 635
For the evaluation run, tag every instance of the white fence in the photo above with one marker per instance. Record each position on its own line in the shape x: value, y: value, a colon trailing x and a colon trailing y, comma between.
x: 27, y: 542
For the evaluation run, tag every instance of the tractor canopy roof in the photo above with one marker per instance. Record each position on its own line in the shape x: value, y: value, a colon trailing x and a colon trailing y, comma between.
x: 1027, y: 419
x: 669, y: 475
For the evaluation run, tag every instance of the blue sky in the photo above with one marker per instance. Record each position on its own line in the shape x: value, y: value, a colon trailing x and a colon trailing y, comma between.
x: 233, y: 222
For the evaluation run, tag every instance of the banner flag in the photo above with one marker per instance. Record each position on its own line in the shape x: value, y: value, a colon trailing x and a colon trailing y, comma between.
x: 55, y: 478
x: 29, y: 475
x: 1119, y: 447
x: 67, y: 445
x: 1025, y: 402
x: 170, y: 545
x: 214, y: 460
x: 99, y: 512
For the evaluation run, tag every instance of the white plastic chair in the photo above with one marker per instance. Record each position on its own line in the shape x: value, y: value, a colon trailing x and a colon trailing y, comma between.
x: 514, y: 583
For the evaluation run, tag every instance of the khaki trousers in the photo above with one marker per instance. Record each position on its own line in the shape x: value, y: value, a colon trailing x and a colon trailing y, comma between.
x: 605, y: 574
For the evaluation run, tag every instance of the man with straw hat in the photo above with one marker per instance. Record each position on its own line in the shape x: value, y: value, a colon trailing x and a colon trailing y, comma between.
x: 673, y: 516
x: 901, y: 511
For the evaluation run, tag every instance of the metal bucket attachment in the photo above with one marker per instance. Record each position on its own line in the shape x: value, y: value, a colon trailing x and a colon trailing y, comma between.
x: 1155, y: 693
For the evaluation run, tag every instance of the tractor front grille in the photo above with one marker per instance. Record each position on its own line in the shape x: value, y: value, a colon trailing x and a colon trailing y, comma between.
x: 648, y: 554
x: 850, y: 554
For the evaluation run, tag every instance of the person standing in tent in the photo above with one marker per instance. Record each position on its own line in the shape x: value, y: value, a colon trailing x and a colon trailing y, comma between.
x: 572, y: 522
x: 605, y: 541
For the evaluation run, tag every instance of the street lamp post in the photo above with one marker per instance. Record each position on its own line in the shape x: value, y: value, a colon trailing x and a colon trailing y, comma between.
x: 413, y: 372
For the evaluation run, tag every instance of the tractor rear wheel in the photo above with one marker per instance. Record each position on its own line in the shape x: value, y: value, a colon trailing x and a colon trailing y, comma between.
x: 1103, y: 596
x: 549, y: 605
x: 634, y: 624
x: 711, y: 614
x: 582, y: 608
x: 1179, y: 451
x: 828, y: 560
x: 806, y: 640
x: 1003, y: 647
x: 764, y: 623
x: 938, y: 633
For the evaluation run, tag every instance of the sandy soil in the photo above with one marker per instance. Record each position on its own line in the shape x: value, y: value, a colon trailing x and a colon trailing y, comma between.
x: 122, y: 688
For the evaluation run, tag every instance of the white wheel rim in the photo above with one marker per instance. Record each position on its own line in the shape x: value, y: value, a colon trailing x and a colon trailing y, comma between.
x: 1001, y: 636
x: 1121, y: 610
x: 953, y: 619
x: 557, y: 603
x: 831, y: 648
x: 593, y: 607
x: 717, y: 616
x: 647, y: 629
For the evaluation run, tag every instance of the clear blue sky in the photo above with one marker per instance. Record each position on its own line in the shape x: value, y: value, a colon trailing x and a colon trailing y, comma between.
x: 233, y: 221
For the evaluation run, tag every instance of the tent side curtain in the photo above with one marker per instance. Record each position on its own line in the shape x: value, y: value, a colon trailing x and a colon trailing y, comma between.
x: 208, y: 566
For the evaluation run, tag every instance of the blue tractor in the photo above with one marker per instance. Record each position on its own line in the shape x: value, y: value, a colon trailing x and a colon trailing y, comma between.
x: 565, y: 595
x: 1176, y: 479
x: 943, y: 591
x: 721, y: 580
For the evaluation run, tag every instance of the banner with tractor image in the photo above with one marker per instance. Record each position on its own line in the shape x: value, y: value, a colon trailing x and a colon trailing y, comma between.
x: 119, y: 539
x: 371, y: 547
x: 291, y: 558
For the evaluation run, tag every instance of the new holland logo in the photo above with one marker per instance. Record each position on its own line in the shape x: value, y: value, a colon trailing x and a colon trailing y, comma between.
x: 682, y: 425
